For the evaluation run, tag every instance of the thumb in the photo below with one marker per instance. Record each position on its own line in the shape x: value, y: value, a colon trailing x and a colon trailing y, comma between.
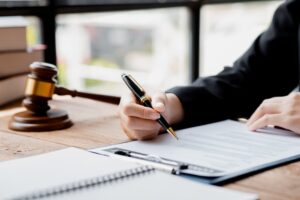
x: 159, y: 101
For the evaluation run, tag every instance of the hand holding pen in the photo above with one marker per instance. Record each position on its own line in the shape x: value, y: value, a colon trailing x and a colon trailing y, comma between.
x: 139, y: 122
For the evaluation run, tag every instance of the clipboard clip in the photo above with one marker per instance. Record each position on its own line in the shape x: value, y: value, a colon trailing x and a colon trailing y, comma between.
x: 173, y: 166
x: 176, y: 166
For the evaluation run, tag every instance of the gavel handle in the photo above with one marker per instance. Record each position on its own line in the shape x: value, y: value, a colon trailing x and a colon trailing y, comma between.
x: 98, y: 97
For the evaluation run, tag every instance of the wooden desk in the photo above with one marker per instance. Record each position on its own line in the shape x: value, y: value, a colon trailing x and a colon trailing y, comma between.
x: 97, y: 124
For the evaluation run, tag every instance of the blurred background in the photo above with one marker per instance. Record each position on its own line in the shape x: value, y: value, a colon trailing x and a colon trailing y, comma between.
x: 94, y: 49
x: 154, y: 44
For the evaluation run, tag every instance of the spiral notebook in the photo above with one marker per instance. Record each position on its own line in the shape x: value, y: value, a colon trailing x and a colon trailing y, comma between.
x: 77, y: 174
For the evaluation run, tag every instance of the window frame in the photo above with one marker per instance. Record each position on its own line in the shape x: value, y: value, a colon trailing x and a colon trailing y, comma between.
x: 47, y: 10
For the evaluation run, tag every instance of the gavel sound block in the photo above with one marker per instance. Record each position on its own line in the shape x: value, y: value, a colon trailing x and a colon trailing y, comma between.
x: 40, y: 87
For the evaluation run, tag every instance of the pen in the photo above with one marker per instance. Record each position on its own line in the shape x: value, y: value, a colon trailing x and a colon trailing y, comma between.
x: 140, y: 94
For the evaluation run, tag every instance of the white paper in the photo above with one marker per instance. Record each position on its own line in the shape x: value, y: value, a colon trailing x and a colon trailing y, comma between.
x: 156, y: 186
x: 226, y: 146
x: 26, y: 175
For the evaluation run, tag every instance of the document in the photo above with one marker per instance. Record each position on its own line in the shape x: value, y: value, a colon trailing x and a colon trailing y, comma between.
x: 218, y: 149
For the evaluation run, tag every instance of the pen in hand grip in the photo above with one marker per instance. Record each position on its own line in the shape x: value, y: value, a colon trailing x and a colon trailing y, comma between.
x: 140, y: 94
x: 162, y: 121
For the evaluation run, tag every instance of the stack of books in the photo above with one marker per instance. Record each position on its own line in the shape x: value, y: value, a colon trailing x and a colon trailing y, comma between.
x: 15, y: 58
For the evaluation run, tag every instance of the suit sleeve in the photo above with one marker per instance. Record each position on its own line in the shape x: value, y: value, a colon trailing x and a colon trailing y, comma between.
x: 268, y: 68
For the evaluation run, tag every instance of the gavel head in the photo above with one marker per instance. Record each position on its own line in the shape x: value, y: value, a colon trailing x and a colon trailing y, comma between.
x: 40, y: 87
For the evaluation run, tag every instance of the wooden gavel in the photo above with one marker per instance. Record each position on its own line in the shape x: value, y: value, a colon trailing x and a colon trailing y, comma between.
x: 40, y: 87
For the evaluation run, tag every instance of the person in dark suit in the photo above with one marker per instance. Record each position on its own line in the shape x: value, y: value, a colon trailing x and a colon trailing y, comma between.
x: 258, y: 86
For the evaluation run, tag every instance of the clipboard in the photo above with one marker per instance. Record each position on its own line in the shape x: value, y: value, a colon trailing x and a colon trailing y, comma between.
x: 151, y: 152
x: 196, y: 173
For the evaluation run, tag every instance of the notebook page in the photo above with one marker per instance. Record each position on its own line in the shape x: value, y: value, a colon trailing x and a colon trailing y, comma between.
x: 155, y: 185
x: 48, y: 170
x: 226, y: 146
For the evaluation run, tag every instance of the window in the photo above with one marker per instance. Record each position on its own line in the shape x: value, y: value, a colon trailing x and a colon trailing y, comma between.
x: 33, y: 31
x: 94, y: 49
x: 227, y: 30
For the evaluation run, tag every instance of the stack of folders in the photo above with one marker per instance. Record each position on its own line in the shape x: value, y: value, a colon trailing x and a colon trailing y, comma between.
x: 15, y: 58
x: 77, y: 174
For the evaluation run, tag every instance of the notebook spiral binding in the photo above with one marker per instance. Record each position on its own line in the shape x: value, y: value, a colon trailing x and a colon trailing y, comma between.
x: 92, y: 182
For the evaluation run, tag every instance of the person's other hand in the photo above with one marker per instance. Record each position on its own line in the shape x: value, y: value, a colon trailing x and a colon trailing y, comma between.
x: 139, y: 122
x: 278, y: 111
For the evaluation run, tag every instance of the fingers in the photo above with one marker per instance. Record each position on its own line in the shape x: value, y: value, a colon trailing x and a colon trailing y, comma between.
x: 139, y: 124
x: 136, y: 110
x: 141, y: 133
x: 129, y: 107
x: 137, y: 121
x: 280, y: 111
x: 267, y: 107
x: 267, y: 119
x: 159, y: 102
